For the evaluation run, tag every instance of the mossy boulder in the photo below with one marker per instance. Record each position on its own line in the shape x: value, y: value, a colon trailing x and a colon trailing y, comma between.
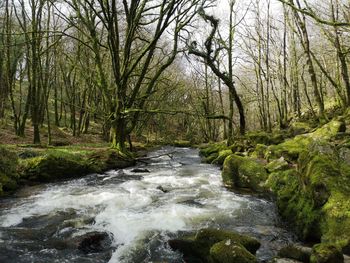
x: 8, y: 170
x: 206, y: 246
x: 315, y: 198
x: 326, y: 253
x: 296, y: 252
x: 210, y: 236
x: 221, y: 157
x: 294, y: 203
x: 259, y: 151
x: 182, y: 143
x: 298, y: 127
x: 277, y: 165
x: 104, y: 160
x: 291, y: 148
x: 210, y: 152
x: 244, y: 172
x: 51, y: 167
x: 228, y: 251
x: 261, y: 137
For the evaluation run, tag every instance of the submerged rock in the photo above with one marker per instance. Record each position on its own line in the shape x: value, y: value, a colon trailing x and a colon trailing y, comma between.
x: 159, y: 187
x: 140, y: 170
x: 94, y: 242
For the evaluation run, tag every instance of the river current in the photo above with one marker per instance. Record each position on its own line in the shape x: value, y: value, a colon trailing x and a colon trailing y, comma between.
x: 139, y: 210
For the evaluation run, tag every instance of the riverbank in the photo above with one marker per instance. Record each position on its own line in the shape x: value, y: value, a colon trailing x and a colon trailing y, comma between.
x: 308, y: 172
x: 22, y: 165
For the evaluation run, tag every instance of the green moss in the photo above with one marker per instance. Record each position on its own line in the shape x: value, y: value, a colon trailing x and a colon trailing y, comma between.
x: 200, y: 246
x: 210, y: 149
x: 182, y: 143
x: 261, y: 137
x: 210, y: 236
x: 8, y: 172
x: 221, y: 157
x: 294, y: 203
x: 103, y: 160
x: 52, y: 167
x: 228, y: 251
x: 298, y: 127
x: 259, y: 151
x: 296, y: 252
x: 291, y: 148
x: 326, y: 253
x: 277, y: 165
x: 244, y: 172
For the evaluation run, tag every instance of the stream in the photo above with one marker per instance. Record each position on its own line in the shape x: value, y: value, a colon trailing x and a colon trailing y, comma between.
x: 135, y: 212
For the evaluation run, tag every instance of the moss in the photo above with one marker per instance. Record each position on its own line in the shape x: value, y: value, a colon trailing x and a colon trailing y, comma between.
x: 291, y: 148
x: 210, y: 149
x: 199, y: 246
x: 182, y: 143
x: 221, y: 157
x: 50, y: 167
x: 259, y: 151
x: 298, y: 127
x: 296, y: 252
x: 294, y: 203
x: 8, y: 172
x: 103, y: 160
x: 210, y: 236
x: 228, y: 251
x: 261, y: 137
x: 243, y: 172
x: 277, y: 165
x: 326, y: 253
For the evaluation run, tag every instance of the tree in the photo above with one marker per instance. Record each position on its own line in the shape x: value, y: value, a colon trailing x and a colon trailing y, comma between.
x: 210, y: 55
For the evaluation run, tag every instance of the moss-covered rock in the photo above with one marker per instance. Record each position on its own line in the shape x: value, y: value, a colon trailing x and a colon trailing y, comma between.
x: 259, y: 151
x: 277, y: 165
x: 316, y: 196
x: 8, y: 172
x: 244, y: 172
x: 182, y: 143
x: 228, y: 251
x: 296, y: 252
x: 211, y: 152
x: 291, y: 148
x: 49, y: 167
x: 204, y: 246
x: 298, y: 127
x: 295, y: 204
x: 210, y: 236
x: 221, y: 157
x: 326, y: 253
x: 212, y: 148
x: 261, y: 137
x: 103, y: 160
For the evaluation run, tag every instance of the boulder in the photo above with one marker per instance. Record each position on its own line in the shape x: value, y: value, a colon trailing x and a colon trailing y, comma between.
x: 94, y: 242
x: 296, y: 252
x: 205, y: 246
x: 244, y: 172
x: 326, y: 253
x: 8, y: 170
x: 277, y: 165
x: 227, y: 251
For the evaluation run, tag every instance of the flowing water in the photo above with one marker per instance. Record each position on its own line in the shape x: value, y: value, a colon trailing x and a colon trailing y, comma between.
x: 140, y: 212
